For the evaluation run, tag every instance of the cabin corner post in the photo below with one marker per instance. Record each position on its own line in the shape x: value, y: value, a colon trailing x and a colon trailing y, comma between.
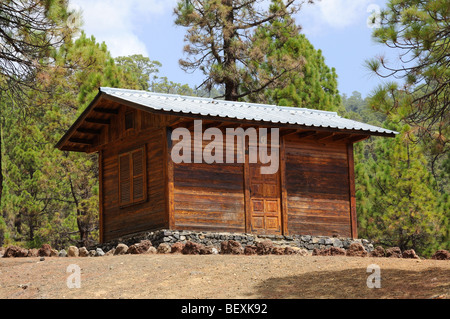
x: 168, y: 173
x: 284, y: 201
x: 100, y: 196
x: 352, y: 196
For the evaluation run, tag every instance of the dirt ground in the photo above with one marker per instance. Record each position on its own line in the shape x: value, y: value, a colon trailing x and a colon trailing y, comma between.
x: 222, y: 277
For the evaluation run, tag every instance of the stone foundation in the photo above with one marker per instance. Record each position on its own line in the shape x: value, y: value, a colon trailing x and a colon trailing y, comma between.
x: 214, y: 239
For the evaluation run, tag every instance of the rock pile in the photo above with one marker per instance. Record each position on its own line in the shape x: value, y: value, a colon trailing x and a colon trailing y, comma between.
x: 441, y: 255
x: 171, y: 237
x: 257, y: 246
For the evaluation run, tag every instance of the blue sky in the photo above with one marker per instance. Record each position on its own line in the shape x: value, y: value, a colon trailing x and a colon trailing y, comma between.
x: 337, y: 27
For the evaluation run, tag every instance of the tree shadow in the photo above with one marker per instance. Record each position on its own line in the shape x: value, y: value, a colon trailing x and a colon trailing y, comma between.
x: 352, y: 284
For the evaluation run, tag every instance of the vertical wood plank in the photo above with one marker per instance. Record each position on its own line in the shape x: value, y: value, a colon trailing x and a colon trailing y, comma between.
x: 168, y: 172
x: 351, y: 178
x: 284, y: 198
x: 100, y: 194
x: 247, y: 194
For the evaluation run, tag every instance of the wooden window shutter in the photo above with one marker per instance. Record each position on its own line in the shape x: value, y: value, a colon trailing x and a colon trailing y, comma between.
x: 138, y: 175
x: 124, y: 179
x: 132, y: 177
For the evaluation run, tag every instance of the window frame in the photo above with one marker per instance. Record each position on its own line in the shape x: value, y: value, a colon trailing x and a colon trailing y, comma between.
x: 131, y: 177
x: 132, y: 114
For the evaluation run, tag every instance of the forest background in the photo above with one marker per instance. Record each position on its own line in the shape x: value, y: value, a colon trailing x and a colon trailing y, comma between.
x: 50, y: 70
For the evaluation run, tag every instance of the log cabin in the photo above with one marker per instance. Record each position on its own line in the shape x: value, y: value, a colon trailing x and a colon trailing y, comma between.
x: 142, y: 187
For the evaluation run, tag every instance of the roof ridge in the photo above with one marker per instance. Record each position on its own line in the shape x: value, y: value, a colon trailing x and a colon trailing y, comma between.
x: 249, y: 104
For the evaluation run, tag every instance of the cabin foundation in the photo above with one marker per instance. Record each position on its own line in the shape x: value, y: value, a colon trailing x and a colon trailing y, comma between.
x: 215, y: 239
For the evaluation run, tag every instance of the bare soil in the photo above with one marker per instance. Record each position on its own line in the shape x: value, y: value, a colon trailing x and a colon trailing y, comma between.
x: 223, y: 277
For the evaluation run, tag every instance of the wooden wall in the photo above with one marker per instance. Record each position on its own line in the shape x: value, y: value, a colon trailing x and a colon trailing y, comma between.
x: 317, y: 186
x: 151, y: 214
x: 209, y: 197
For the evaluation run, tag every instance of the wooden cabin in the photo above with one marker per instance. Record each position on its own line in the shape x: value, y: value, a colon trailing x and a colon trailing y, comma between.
x: 143, y: 189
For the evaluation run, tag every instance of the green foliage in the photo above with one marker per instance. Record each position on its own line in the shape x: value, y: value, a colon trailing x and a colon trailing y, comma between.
x: 222, y: 42
x: 419, y: 31
x: 142, y: 69
x: 52, y: 196
x: 399, y: 199
x: 315, y: 86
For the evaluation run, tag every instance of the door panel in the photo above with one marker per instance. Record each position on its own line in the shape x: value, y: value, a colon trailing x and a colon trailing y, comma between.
x: 265, y: 203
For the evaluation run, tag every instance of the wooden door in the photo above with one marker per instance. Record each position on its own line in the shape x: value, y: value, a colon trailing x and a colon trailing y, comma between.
x: 265, y: 201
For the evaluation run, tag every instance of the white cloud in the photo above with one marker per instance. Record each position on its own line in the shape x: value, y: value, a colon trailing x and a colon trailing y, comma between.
x: 335, y: 14
x: 116, y: 21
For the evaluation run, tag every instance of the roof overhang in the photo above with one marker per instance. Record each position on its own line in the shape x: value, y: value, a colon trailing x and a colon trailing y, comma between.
x: 85, y: 131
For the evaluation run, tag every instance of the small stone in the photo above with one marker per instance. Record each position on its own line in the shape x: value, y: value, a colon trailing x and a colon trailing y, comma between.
x: 139, y: 248
x: 164, y: 248
x: 207, y: 250
x: 167, y: 233
x: 54, y: 253
x: 42, y: 259
x: 231, y: 247
x: 356, y: 250
x: 191, y: 248
x: 121, y: 249
x: 45, y: 251
x: 177, y: 248
x: 277, y: 251
x: 337, y: 242
x: 441, y: 254
x: 394, y: 252
x: 62, y: 253
x: 73, y: 251
x: 151, y: 250
x: 302, y: 252
x: 264, y: 247
x: 250, y: 250
x: 305, y: 239
x: 33, y: 252
x: 99, y: 252
x: 84, y: 252
x: 378, y: 252
x: 110, y: 252
x: 92, y: 253
x: 331, y: 251
x: 15, y: 251
x: 410, y: 253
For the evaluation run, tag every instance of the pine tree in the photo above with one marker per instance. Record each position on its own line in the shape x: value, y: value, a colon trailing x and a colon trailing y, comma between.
x: 398, y: 204
x: 220, y: 40
x: 313, y: 86
x: 419, y: 31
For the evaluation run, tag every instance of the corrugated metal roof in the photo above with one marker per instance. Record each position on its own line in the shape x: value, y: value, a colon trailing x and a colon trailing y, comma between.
x: 241, y: 110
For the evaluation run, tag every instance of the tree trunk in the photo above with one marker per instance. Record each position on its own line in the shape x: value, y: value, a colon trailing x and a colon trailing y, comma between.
x: 83, y: 230
x: 1, y: 151
x: 231, y: 84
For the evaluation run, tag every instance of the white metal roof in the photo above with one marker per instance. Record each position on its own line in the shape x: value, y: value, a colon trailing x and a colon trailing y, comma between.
x: 241, y: 110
